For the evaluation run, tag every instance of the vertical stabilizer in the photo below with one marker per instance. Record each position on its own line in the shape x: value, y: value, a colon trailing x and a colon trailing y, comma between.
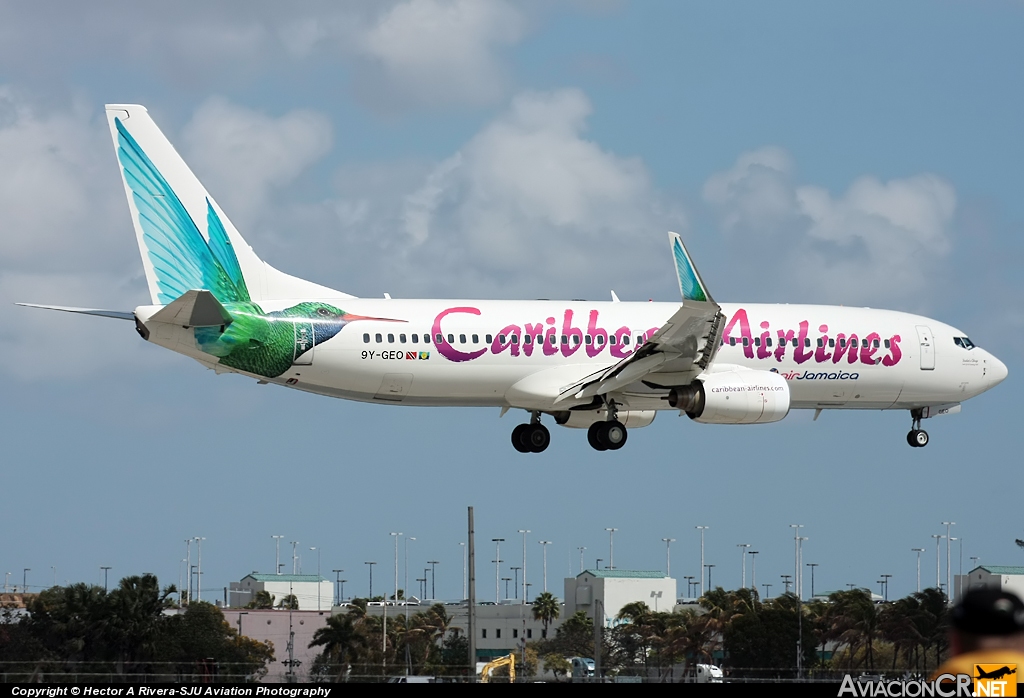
x: 187, y: 242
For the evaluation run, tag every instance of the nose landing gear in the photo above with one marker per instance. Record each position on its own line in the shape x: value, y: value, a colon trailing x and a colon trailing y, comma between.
x: 531, y: 438
x: 918, y: 437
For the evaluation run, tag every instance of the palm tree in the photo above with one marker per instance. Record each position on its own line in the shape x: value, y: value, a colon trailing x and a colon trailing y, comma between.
x: 546, y: 609
x: 291, y: 601
x: 342, y: 639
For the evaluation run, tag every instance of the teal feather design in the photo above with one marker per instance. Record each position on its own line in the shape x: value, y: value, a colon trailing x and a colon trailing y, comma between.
x: 181, y: 256
x: 688, y: 282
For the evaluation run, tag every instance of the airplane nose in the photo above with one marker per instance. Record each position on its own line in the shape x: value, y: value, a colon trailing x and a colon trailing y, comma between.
x: 997, y: 370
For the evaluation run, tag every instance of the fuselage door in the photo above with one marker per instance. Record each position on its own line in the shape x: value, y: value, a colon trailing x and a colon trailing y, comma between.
x: 303, y: 346
x: 924, y: 336
x: 394, y: 387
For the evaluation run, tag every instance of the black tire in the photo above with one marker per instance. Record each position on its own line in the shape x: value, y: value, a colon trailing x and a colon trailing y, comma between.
x: 537, y: 437
x: 614, y: 435
x: 910, y: 437
x: 921, y: 438
x: 518, y: 440
x: 594, y: 438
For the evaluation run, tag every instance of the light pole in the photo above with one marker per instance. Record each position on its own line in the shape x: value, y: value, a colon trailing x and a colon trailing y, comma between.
x: 668, y: 556
x: 433, y: 578
x: 405, y: 592
x: 497, y: 571
x: 396, y: 536
x: 753, y: 569
x: 465, y: 566
x: 581, y: 549
x: 689, y: 583
x: 188, y: 569
x: 54, y: 568
x: 342, y: 590
x: 7, y: 578
x: 317, y: 549
x: 199, y: 568
x: 918, y: 551
x: 295, y: 557
x: 938, y: 537
x: 106, y: 569
x: 515, y: 570
x: 597, y: 563
x: 277, y: 554
x: 506, y: 580
x: 797, y: 574
x: 702, y: 529
x: 524, y: 531
x: 767, y: 588
x: 709, y: 576
x: 544, y: 546
x: 371, y: 564
x: 812, y: 565
x: 337, y: 584
x: 974, y: 561
x: 885, y: 595
x: 785, y: 581
x: 949, y: 589
x: 743, y: 564
x: 611, y: 547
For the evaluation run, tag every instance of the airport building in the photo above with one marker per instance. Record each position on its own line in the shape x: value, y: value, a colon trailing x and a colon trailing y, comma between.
x: 607, y: 591
x: 313, y: 592
x: 278, y: 626
x: 1005, y: 577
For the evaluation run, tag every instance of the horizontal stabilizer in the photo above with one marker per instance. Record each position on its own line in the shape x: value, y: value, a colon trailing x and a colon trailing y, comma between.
x: 193, y: 309
x: 116, y: 314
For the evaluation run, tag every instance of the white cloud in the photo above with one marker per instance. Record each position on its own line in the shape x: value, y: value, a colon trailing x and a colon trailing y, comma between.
x: 439, y: 52
x: 241, y: 154
x: 876, y: 241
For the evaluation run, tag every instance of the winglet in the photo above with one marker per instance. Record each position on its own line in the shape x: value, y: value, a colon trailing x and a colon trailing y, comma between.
x: 690, y: 284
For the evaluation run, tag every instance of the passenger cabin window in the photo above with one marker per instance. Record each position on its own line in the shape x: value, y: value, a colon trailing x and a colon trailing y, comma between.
x: 565, y: 339
x: 401, y: 338
x: 796, y: 342
x: 476, y: 339
x: 732, y: 341
x: 746, y: 342
x: 527, y: 339
x: 887, y: 344
x: 415, y: 339
x: 639, y: 339
x: 832, y: 343
x: 462, y: 339
x: 426, y: 339
x: 612, y: 339
x: 768, y: 342
x: 378, y: 338
x: 807, y: 341
x: 757, y: 341
x: 515, y: 339
x: 501, y: 338
x: 366, y: 338
x: 821, y: 342
x: 575, y: 339
x: 488, y: 338
x: 874, y: 343
x: 439, y: 338
x: 588, y: 339
x: 451, y: 339
x: 391, y: 338
x: 600, y: 340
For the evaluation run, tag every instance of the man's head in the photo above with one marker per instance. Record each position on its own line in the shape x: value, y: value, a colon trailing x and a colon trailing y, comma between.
x: 987, y: 618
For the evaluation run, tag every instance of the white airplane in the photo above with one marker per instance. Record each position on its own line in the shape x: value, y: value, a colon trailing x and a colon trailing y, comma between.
x: 601, y: 366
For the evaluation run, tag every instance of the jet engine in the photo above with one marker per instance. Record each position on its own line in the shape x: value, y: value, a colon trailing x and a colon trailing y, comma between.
x: 734, y: 397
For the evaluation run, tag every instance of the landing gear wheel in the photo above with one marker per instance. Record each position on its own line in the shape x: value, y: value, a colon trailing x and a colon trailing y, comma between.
x: 594, y: 438
x: 518, y: 440
x: 536, y: 437
x: 614, y: 435
x: 918, y: 438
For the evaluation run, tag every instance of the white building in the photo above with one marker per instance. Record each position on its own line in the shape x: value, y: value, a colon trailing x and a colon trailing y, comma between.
x: 1007, y: 578
x: 610, y: 590
x: 314, y: 593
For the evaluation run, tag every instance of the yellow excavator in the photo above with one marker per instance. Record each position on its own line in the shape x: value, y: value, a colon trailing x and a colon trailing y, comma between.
x: 508, y: 660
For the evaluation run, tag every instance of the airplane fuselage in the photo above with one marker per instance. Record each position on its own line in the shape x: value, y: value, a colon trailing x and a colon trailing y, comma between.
x: 474, y: 353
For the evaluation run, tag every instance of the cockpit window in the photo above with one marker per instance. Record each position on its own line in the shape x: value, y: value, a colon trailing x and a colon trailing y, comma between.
x: 963, y: 342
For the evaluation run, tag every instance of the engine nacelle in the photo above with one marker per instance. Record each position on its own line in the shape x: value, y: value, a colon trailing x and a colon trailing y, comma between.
x: 582, y: 419
x: 734, y: 397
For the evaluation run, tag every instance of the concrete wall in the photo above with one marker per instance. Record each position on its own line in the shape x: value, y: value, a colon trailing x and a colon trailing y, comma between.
x: 264, y: 625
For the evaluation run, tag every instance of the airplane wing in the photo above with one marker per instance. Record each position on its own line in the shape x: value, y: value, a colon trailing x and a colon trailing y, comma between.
x: 678, y: 352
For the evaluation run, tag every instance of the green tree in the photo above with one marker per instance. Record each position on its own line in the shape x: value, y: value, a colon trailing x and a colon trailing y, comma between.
x: 557, y: 665
x: 290, y: 601
x: 343, y: 640
x: 546, y: 609
x: 262, y: 599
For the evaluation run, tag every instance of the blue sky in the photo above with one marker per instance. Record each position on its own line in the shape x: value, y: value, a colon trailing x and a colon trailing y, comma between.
x: 860, y: 154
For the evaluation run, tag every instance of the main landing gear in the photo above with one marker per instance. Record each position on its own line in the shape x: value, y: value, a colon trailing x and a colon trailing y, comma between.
x: 918, y: 437
x: 609, y: 435
x: 531, y: 438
